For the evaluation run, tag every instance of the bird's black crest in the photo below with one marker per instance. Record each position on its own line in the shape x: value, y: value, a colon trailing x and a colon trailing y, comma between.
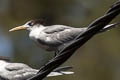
x: 37, y: 21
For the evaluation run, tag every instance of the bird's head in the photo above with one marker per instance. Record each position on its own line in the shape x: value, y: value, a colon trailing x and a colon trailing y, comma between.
x: 29, y: 25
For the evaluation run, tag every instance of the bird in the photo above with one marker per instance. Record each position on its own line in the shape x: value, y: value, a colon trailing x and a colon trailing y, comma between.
x: 20, y: 71
x: 52, y: 37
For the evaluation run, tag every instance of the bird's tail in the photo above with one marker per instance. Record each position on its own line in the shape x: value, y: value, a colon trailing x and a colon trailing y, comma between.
x: 110, y: 26
x: 61, y: 71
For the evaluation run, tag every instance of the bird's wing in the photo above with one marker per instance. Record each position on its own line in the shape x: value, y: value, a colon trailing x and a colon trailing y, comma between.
x: 16, y: 66
x: 59, y: 34
x: 18, y: 71
x: 55, y: 28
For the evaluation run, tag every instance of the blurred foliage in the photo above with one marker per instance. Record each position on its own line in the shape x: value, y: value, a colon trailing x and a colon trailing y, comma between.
x: 98, y: 59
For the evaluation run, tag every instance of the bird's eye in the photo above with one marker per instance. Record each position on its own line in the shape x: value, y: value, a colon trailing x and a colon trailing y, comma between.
x: 30, y: 24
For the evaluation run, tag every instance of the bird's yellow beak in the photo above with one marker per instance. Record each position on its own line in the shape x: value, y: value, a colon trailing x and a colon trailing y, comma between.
x: 17, y: 28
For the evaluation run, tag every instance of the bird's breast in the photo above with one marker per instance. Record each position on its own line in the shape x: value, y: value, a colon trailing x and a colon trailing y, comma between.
x: 35, y: 33
x: 39, y: 38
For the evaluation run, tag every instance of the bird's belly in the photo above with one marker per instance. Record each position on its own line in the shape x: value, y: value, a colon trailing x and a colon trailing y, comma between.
x: 41, y: 44
x: 45, y: 46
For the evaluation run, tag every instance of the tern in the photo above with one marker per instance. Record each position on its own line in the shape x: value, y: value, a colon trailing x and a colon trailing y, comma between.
x: 21, y: 71
x: 52, y: 37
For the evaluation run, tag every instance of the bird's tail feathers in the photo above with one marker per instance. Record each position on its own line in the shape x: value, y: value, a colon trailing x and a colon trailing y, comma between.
x: 61, y: 71
x: 110, y: 26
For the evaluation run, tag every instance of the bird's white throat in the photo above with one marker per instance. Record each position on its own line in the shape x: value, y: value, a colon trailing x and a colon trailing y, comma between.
x: 35, y: 31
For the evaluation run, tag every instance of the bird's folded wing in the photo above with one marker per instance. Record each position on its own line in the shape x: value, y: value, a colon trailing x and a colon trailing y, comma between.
x: 60, y: 34
x: 16, y: 66
x: 55, y: 28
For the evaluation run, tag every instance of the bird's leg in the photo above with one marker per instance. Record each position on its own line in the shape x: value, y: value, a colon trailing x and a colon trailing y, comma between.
x: 57, y: 51
x: 55, y: 54
x: 110, y: 26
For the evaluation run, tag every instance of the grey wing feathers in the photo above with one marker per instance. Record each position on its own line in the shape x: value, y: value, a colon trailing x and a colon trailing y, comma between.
x: 56, y: 28
x: 18, y: 71
x: 16, y: 66
x: 62, y: 34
